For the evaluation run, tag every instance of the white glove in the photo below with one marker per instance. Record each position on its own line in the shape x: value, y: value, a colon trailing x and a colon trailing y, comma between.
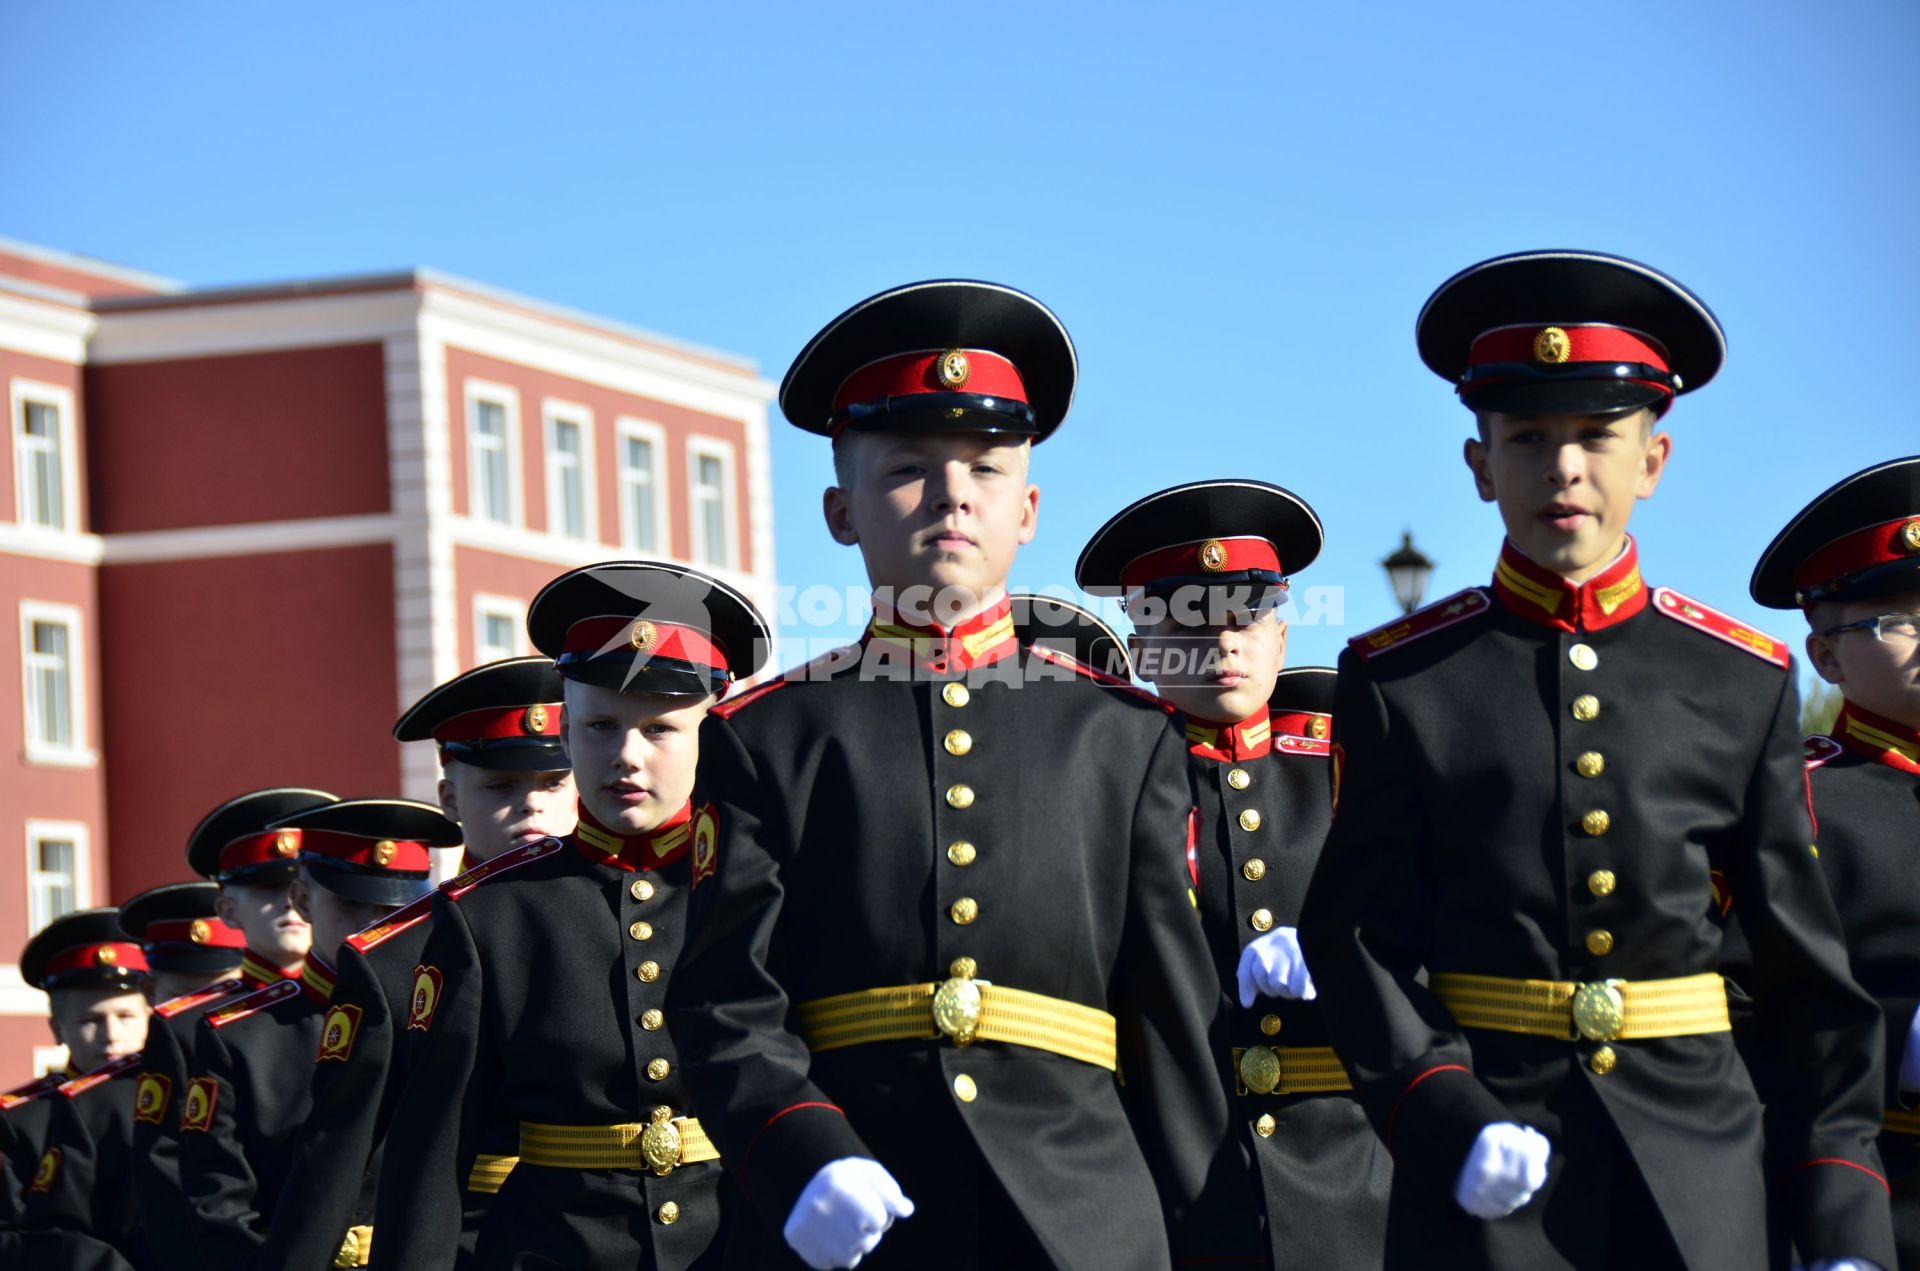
x: 1910, y: 1060
x: 1272, y: 966
x: 1505, y: 1167
x: 1844, y: 1264
x: 843, y: 1212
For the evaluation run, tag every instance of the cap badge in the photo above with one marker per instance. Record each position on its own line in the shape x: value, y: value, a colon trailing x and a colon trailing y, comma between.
x: 1910, y: 537
x: 643, y: 636
x: 536, y: 720
x: 1552, y: 345
x: 199, y: 932
x: 953, y: 369
x: 1213, y: 556
x: 287, y: 842
x: 1319, y: 728
x: 105, y: 955
x: 384, y: 851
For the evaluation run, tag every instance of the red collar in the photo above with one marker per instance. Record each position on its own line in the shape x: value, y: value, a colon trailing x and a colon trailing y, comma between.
x: 981, y: 640
x: 1539, y: 595
x: 1251, y: 738
x: 256, y: 972
x: 664, y: 843
x: 1878, y: 738
x: 316, y: 980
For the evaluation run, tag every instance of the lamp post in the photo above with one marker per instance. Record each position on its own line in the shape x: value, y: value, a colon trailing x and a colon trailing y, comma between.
x: 1408, y: 570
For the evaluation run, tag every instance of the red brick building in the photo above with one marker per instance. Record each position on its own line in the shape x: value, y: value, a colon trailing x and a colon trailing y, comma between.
x: 242, y: 528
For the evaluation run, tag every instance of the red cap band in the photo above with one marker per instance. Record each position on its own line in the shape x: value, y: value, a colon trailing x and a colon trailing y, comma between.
x: 1879, y: 544
x: 209, y: 933
x: 399, y: 855
x: 593, y: 637
x: 1208, y: 556
x: 1312, y: 724
x: 541, y: 719
x: 932, y: 371
x: 1559, y: 346
x: 87, y: 957
x: 258, y: 849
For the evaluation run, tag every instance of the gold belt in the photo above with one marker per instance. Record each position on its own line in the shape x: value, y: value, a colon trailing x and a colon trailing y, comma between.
x: 965, y: 1010
x: 1602, y: 1010
x: 1901, y: 1121
x: 357, y: 1249
x: 1280, y: 1070
x: 660, y: 1145
x: 489, y: 1173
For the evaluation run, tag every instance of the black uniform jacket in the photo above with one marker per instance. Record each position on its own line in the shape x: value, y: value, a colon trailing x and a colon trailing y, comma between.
x: 78, y: 1212
x: 1539, y: 782
x: 244, y: 1104
x: 1863, y: 785
x: 1265, y: 799
x: 24, y: 1111
x: 539, y: 1000
x: 923, y: 798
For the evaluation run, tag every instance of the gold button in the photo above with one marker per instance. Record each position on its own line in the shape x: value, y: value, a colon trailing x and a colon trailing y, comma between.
x: 1591, y: 764
x: 1238, y: 778
x: 1586, y: 707
x: 1596, y: 822
x: 964, y: 1089
x: 960, y: 796
x: 961, y: 853
x: 1603, y: 1060
x: 1265, y: 1126
x: 1250, y: 819
x: 955, y: 694
x: 1262, y: 919
x: 641, y: 931
x: 1583, y: 656
x: 1270, y: 1025
x: 652, y: 1020
x: 963, y: 968
x: 647, y: 972
x: 657, y: 1069
x: 668, y: 1214
x: 959, y: 741
x: 1255, y: 870
x: 1599, y: 942
x: 640, y: 889
x: 1601, y: 882
x: 965, y: 910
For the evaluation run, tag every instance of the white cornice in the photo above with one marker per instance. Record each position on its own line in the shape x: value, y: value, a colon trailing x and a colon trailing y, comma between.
x: 213, y: 330
x: 41, y: 328
x: 77, y: 549
x: 255, y: 538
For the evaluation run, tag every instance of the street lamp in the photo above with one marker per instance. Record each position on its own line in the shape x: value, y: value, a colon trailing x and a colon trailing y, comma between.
x: 1408, y: 570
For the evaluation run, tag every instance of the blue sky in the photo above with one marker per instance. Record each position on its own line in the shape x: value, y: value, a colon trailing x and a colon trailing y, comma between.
x: 1237, y: 209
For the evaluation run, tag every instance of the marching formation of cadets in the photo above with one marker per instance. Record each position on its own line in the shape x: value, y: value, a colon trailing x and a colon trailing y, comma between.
x: 1533, y: 937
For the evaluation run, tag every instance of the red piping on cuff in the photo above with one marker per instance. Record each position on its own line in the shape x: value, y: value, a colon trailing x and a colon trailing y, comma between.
x: 754, y: 1141
x: 1835, y: 1160
x: 1394, y: 1117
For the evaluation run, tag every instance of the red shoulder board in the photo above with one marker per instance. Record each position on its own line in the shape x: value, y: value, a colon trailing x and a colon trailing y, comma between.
x: 1461, y: 606
x: 39, y: 1089
x: 1720, y: 626
x: 1288, y: 744
x: 100, y: 1076
x: 805, y: 671
x: 256, y: 1001
x: 1820, y: 749
x: 1102, y: 678
x: 407, y: 915
x: 505, y: 863
x: 205, y: 997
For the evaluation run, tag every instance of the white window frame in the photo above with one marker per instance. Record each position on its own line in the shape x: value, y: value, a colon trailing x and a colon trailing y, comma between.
x: 508, y: 399
x: 553, y: 410
x: 20, y: 393
x: 628, y: 428
x: 699, y: 447
x: 77, y: 753
x: 78, y: 833
x: 487, y: 605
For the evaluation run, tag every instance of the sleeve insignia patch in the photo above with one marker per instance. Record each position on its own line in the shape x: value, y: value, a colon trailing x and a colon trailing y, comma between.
x: 197, y: 1114
x: 1722, y: 894
x: 427, y: 983
x: 151, y: 1095
x: 706, y: 844
x: 337, y: 1033
x: 46, y: 1172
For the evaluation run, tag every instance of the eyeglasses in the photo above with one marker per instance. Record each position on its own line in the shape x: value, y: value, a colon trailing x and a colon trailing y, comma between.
x: 1890, y: 628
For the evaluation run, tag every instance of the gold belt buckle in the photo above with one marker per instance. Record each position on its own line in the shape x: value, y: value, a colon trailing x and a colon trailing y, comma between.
x: 956, y: 1008
x: 1260, y: 1069
x: 1598, y: 1010
x: 660, y: 1142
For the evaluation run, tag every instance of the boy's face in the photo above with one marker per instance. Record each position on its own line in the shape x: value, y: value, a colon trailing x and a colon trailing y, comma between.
x: 96, y: 1025
x: 332, y: 915
x: 501, y: 810
x: 1882, y: 676
x: 940, y: 510
x: 1566, y: 484
x: 1223, y: 673
x: 264, y: 914
x: 633, y: 753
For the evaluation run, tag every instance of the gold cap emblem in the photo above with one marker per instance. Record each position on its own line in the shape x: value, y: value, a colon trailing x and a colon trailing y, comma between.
x: 199, y: 932
x: 1910, y: 537
x: 1552, y: 345
x: 384, y: 851
x: 1213, y: 556
x: 1319, y: 728
x: 105, y: 955
x: 953, y: 369
x: 536, y: 719
x: 643, y: 636
x: 287, y: 842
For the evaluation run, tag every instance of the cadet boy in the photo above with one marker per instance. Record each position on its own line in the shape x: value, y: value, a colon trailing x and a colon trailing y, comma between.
x: 1203, y: 568
x: 505, y: 781
x: 1850, y: 561
x: 1534, y: 786
x: 950, y: 899
x: 538, y: 1012
x: 359, y: 859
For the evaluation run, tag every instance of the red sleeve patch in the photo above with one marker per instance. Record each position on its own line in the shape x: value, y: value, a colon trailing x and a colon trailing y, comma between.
x: 197, y: 1113
x: 46, y: 1172
x: 151, y: 1095
x: 427, y: 985
x: 337, y: 1033
x: 706, y: 844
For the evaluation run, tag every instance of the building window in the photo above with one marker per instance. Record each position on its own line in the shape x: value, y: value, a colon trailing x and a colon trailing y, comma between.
x: 569, y: 471
x: 643, y: 490
x: 710, y: 502
x: 499, y: 628
x: 56, y: 871
x: 46, y: 486
x: 54, y: 691
x: 493, y: 431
